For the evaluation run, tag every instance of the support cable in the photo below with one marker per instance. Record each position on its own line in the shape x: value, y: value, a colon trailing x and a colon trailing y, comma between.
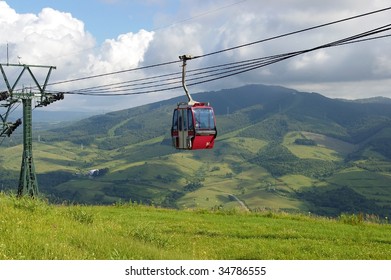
x: 227, y: 49
x: 216, y: 72
x: 113, y: 73
x: 295, y: 32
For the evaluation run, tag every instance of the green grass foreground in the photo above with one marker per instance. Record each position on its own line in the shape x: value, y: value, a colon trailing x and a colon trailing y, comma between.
x: 34, y: 229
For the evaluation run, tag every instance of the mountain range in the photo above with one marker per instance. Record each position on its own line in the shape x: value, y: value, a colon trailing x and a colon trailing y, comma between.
x: 277, y: 148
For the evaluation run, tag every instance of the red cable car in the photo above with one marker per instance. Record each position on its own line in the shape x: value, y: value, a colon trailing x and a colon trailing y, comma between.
x: 193, y: 123
x: 193, y: 127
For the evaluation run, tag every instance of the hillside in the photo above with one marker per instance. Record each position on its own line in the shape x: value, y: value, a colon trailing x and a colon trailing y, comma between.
x: 130, y: 231
x: 277, y: 148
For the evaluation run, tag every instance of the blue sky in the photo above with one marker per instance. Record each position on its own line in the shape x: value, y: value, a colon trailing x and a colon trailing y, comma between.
x: 105, y: 19
x: 91, y: 37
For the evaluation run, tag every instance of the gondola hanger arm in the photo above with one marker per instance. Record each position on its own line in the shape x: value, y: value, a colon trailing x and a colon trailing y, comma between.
x: 184, y: 59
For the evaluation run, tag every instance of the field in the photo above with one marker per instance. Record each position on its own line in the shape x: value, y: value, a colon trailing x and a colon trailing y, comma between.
x: 34, y: 229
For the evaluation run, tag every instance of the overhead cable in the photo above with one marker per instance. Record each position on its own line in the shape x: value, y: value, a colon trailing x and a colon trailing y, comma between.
x: 211, y: 73
x: 224, y: 50
x: 295, y: 32
x: 113, y: 73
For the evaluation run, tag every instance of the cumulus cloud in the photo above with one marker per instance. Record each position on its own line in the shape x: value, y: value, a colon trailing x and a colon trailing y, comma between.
x: 44, y: 37
x: 55, y: 38
x: 125, y: 52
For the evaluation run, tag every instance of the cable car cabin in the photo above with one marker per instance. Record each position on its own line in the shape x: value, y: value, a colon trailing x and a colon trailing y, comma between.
x: 193, y: 127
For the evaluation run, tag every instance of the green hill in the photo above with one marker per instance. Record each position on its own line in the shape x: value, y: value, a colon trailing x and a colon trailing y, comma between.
x: 277, y: 148
x: 34, y: 230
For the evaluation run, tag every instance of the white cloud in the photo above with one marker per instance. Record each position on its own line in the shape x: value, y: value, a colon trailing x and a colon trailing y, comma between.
x: 43, y: 37
x: 57, y: 38
x: 127, y: 51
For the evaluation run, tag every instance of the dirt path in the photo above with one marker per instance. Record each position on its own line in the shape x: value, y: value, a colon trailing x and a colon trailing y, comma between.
x: 240, y: 202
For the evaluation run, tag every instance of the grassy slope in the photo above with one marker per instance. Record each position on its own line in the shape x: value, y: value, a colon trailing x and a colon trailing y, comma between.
x: 32, y: 229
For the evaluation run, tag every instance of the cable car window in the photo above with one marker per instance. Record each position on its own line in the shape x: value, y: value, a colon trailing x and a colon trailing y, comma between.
x: 204, y: 118
x: 175, y: 120
x: 184, y: 116
x: 190, y: 117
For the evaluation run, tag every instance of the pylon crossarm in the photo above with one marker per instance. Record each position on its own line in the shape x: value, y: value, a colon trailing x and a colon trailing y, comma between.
x: 47, y: 78
x: 34, y: 79
x: 25, y: 67
x: 17, y: 80
x: 41, y: 89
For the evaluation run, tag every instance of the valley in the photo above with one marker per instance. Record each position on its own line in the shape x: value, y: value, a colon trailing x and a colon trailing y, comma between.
x: 277, y: 149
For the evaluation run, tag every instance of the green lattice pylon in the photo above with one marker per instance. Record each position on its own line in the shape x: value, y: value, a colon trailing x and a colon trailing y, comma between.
x: 28, y: 184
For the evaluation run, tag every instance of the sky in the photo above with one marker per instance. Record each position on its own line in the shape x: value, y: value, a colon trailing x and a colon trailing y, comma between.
x: 94, y: 37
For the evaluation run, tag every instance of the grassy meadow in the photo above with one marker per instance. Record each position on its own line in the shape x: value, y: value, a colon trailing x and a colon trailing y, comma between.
x: 34, y: 229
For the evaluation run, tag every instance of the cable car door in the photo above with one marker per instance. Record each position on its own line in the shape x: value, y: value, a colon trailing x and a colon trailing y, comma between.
x: 182, y: 130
